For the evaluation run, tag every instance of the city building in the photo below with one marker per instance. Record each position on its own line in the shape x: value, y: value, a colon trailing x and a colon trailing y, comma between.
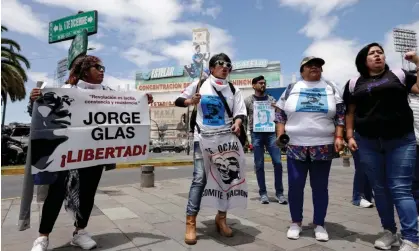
x: 167, y: 83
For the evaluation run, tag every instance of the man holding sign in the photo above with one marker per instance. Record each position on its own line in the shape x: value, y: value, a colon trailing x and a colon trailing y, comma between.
x: 261, y: 115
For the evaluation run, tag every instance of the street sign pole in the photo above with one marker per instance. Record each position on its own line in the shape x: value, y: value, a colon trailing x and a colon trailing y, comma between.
x: 67, y: 28
x: 77, y: 27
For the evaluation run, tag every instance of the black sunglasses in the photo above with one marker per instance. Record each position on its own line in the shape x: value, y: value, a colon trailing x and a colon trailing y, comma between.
x: 99, y: 67
x: 223, y: 64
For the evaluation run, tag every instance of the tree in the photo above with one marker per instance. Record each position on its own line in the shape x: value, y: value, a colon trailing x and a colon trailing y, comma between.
x: 13, y: 75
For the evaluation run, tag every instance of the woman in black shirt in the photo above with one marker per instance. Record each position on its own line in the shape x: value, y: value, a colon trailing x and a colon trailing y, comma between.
x: 378, y: 110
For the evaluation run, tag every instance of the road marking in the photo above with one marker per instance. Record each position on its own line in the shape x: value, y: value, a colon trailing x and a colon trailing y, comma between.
x: 172, y: 168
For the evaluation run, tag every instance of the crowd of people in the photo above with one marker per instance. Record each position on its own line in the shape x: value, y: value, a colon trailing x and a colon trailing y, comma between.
x: 376, y: 116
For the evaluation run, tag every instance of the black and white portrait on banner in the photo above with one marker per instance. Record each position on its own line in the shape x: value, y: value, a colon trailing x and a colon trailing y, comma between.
x: 52, y: 112
x: 74, y: 128
x: 225, y: 167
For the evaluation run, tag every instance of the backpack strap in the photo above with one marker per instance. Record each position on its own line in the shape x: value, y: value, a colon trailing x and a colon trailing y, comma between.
x: 288, y: 90
x: 329, y: 83
x: 232, y: 88
x: 352, y: 84
x: 401, y: 75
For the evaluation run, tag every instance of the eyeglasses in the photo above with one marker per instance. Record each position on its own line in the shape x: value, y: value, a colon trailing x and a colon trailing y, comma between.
x: 223, y: 64
x: 99, y: 67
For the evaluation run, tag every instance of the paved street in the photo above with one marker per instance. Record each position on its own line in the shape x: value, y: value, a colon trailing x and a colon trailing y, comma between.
x: 128, y: 217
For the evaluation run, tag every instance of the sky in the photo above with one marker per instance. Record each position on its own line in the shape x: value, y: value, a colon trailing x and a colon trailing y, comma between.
x: 136, y: 35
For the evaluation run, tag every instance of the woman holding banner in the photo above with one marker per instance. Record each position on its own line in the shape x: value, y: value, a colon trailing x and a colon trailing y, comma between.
x: 219, y: 168
x: 312, y: 114
x: 76, y: 187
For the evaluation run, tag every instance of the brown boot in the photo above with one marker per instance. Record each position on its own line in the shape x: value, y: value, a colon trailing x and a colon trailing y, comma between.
x: 221, y: 224
x: 190, y: 234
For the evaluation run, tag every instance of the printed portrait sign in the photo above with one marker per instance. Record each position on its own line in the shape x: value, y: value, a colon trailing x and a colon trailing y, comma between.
x: 75, y: 128
x: 225, y: 168
x: 312, y: 100
x: 263, y: 117
x: 213, y: 110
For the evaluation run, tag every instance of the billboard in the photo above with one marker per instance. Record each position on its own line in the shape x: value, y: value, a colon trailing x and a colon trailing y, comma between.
x: 201, y: 55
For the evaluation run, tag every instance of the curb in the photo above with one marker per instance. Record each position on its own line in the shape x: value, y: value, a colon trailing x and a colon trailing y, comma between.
x: 21, y: 169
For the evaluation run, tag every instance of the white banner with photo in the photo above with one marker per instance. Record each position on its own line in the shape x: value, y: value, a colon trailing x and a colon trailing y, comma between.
x: 75, y: 128
x: 263, y: 117
x: 225, y: 168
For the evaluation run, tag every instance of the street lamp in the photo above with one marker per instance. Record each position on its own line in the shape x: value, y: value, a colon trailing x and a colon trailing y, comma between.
x: 404, y: 41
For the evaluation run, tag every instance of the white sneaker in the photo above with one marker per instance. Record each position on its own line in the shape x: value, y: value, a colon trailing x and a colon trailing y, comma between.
x: 83, y: 240
x: 40, y: 244
x: 321, y: 234
x: 365, y: 204
x: 408, y: 246
x: 294, y: 231
x: 386, y: 241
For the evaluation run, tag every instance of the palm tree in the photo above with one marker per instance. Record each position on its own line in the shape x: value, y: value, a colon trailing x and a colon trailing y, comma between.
x: 13, y: 76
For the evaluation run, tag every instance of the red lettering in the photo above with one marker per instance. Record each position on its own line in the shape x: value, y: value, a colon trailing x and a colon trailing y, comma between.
x: 127, y: 152
x: 63, y: 157
x: 70, y: 157
x: 80, y: 155
x: 137, y: 150
x: 119, y: 149
x: 99, y: 153
x: 109, y: 152
x: 144, y: 149
x: 89, y: 155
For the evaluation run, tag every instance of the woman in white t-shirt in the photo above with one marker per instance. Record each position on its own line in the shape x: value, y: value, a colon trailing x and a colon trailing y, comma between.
x: 312, y: 114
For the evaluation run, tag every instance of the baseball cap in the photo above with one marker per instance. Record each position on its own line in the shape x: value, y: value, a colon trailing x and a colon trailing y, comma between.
x: 311, y: 59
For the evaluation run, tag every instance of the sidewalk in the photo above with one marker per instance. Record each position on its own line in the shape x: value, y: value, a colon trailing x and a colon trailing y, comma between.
x: 149, y: 219
x: 179, y: 159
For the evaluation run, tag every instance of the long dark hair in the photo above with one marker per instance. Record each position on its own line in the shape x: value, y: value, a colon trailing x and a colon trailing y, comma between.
x: 361, y: 59
x: 80, y: 66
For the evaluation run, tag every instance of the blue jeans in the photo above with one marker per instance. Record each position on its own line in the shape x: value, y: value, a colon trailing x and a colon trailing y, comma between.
x: 390, y: 166
x: 260, y: 140
x: 361, y: 187
x: 198, y: 182
x: 319, y: 182
x: 415, y: 186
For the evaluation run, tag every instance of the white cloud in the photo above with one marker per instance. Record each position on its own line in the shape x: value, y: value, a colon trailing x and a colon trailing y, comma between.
x: 20, y: 18
x: 316, y: 7
x: 212, y: 11
x: 197, y: 6
x: 96, y: 45
x: 339, y: 55
x: 320, y: 27
x: 141, y: 57
x: 149, y: 24
x: 42, y: 76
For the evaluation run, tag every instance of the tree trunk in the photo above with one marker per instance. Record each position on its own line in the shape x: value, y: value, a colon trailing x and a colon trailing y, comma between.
x: 4, y: 101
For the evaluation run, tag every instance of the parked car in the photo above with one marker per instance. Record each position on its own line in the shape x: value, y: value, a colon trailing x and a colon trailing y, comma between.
x: 159, y: 147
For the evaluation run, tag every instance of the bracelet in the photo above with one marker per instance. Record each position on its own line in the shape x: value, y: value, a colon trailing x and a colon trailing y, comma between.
x: 338, y: 137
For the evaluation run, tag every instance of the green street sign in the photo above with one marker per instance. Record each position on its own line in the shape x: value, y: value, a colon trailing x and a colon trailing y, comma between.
x: 68, y: 27
x: 78, y: 47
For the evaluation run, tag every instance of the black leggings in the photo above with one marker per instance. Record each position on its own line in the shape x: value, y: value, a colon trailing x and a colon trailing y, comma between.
x: 89, y: 181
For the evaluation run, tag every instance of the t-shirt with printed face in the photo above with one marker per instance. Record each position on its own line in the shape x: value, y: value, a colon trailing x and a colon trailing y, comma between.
x: 211, y: 113
x: 310, y: 109
x: 382, y: 106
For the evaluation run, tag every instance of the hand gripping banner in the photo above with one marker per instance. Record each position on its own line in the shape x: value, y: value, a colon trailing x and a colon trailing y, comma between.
x: 225, y: 169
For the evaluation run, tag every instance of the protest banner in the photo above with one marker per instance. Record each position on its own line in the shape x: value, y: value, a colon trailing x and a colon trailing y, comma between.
x: 225, y: 168
x: 263, y: 117
x: 74, y: 128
